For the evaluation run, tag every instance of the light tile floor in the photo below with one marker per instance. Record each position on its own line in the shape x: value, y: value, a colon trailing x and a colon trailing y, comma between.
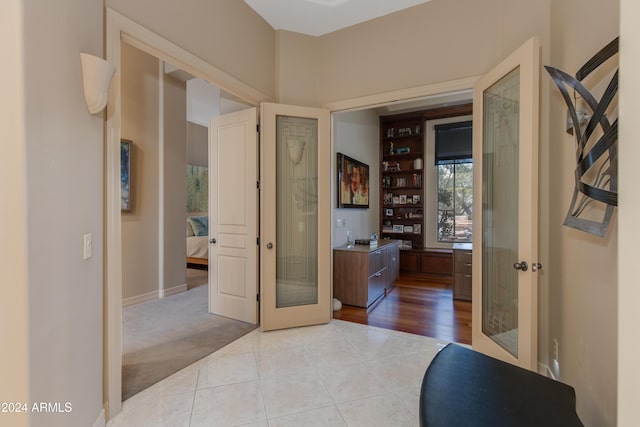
x: 339, y: 374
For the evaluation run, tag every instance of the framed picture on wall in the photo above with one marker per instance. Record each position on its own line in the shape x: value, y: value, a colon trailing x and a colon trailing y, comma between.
x: 197, y: 188
x: 353, y: 183
x: 125, y: 175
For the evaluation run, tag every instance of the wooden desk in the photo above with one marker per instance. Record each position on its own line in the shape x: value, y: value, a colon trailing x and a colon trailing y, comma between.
x: 362, y: 274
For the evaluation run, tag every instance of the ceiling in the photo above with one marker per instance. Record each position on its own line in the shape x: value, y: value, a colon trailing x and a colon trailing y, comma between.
x: 318, y: 17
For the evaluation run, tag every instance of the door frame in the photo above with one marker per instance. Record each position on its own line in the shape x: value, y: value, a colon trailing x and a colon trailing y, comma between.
x: 122, y: 29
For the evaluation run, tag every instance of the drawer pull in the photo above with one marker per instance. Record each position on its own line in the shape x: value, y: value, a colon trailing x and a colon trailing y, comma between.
x: 468, y: 276
x: 468, y: 264
x: 378, y: 274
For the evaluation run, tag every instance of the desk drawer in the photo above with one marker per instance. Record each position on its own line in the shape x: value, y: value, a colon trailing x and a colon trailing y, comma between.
x: 462, y: 261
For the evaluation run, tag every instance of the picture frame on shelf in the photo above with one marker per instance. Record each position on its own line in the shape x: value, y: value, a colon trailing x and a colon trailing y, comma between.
x: 388, y: 212
x: 393, y: 167
x: 403, y: 199
x: 397, y: 228
x: 416, y: 199
x: 417, y: 228
x: 401, y: 182
x: 407, y: 229
x: 396, y: 200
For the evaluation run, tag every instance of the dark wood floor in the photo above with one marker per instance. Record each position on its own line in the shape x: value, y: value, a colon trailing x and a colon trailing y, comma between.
x: 419, y: 306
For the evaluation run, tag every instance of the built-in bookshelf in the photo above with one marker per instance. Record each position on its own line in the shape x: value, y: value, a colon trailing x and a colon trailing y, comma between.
x: 402, y: 204
x: 402, y: 194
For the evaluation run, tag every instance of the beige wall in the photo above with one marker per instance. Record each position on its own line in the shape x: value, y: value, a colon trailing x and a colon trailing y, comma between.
x: 140, y: 124
x: 175, y: 185
x: 297, y: 69
x: 582, y: 268
x: 356, y: 135
x: 629, y: 232
x: 434, y: 42
x: 141, y: 227
x: 14, y: 334
x: 64, y: 200
x: 225, y: 33
x: 197, y: 144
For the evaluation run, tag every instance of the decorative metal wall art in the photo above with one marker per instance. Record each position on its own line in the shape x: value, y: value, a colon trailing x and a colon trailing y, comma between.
x: 596, y: 175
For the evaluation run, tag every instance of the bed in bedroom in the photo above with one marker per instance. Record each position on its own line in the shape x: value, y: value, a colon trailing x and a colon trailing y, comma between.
x: 198, y: 240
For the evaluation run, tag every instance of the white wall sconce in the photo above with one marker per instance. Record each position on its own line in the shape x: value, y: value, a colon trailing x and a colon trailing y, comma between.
x: 96, y: 79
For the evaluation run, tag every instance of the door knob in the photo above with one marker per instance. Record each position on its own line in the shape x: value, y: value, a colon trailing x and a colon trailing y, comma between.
x: 213, y: 240
x: 536, y: 266
x: 269, y: 245
x: 522, y: 265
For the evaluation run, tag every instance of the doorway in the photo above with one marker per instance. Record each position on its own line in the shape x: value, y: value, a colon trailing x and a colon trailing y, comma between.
x: 166, y: 321
x: 423, y: 300
x: 120, y: 28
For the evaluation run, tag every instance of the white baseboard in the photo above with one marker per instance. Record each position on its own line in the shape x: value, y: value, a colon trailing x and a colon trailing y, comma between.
x: 175, y: 290
x: 153, y: 295
x: 100, y: 421
x: 140, y: 298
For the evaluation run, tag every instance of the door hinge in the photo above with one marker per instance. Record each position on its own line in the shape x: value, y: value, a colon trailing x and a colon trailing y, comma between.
x: 258, y: 185
x: 258, y: 241
x: 258, y: 128
x: 258, y: 297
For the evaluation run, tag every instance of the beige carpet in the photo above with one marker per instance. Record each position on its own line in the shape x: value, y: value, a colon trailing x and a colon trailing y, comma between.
x: 165, y: 335
x: 197, y: 277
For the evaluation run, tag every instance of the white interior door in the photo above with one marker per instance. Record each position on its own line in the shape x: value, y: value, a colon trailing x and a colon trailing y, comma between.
x: 295, y: 216
x: 505, y: 242
x: 233, y: 216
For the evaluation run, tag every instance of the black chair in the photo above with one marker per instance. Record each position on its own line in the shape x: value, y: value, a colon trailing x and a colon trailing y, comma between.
x: 462, y: 387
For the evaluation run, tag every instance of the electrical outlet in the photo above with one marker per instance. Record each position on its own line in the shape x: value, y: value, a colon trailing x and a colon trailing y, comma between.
x: 555, y: 350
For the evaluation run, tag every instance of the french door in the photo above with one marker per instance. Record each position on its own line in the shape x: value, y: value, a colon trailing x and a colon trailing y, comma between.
x: 290, y: 250
x: 295, y: 229
x: 505, y: 242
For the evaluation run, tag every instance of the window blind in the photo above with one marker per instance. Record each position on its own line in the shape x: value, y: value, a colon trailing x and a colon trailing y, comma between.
x: 454, y: 143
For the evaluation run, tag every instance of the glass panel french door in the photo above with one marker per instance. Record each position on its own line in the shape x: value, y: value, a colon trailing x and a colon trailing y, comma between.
x: 505, y: 245
x: 296, y: 211
x: 500, y: 211
x: 295, y: 228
